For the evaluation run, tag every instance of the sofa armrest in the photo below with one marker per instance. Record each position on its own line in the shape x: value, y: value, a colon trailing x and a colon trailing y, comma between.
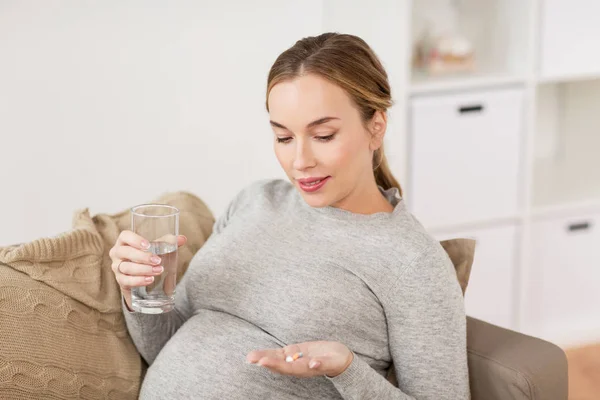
x: 505, y: 364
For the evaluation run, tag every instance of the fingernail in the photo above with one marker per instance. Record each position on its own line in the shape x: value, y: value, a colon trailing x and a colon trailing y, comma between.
x: 155, y: 259
x: 158, y: 269
x: 313, y: 364
x: 145, y: 244
x: 149, y: 278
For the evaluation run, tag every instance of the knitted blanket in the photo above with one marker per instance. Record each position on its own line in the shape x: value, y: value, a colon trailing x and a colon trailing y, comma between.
x: 61, y: 324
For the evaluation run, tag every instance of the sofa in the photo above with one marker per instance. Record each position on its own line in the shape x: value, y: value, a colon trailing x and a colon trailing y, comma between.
x: 64, y: 336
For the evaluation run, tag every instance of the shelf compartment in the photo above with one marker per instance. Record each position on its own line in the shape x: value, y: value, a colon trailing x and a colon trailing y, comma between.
x: 567, y: 146
x: 464, y: 157
x: 498, y: 30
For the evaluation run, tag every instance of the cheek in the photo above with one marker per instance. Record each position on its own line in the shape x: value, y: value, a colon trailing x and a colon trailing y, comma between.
x: 284, y: 154
x: 341, y: 155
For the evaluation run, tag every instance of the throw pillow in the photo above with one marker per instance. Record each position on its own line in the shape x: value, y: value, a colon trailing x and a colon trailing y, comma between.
x: 62, y: 328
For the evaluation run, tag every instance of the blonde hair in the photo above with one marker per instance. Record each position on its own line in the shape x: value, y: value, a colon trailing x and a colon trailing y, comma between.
x: 350, y: 63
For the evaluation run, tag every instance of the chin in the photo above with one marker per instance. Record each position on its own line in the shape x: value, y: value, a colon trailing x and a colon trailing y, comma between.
x: 314, y: 200
x: 316, y: 203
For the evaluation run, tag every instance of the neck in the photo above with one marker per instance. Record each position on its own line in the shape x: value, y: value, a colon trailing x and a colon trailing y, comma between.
x: 366, y: 199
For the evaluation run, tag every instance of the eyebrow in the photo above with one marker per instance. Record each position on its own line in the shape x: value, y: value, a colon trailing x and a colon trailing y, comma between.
x: 310, y: 125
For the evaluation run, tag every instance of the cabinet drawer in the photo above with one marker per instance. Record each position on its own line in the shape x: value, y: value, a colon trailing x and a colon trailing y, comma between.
x: 490, y: 292
x: 566, y: 276
x: 464, y: 158
x: 569, y: 37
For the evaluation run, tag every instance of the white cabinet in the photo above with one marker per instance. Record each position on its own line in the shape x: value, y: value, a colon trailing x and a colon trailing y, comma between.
x: 464, y: 156
x: 569, y: 38
x: 566, y: 284
x: 489, y: 295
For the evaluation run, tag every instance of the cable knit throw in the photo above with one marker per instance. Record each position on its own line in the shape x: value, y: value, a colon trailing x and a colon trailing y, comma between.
x: 62, y: 331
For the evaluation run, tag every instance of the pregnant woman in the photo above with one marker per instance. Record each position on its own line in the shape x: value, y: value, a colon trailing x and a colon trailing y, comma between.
x: 314, y: 286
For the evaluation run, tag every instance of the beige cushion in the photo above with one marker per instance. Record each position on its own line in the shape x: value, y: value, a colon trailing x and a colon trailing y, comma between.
x: 461, y: 252
x: 61, y: 324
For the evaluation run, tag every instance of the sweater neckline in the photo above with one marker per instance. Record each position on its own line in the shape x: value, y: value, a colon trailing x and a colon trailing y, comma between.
x: 392, y: 195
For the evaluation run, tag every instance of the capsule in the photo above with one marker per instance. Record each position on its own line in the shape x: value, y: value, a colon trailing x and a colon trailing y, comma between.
x: 294, y: 357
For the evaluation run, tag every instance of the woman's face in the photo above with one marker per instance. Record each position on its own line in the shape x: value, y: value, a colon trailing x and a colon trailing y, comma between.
x: 319, y: 136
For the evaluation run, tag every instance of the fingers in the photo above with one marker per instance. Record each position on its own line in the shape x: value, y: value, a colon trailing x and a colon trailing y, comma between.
x: 298, y: 367
x: 254, y: 356
x: 315, y: 363
x: 128, y: 281
x: 133, y: 269
x: 132, y: 239
x: 135, y: 255
x: 134, y: 266
x: 129, y: 274
x: 302, y: 359
x: 275, y: 360
x: 274, y: 354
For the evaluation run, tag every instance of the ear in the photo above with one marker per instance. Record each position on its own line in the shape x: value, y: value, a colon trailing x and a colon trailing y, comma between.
x: 377, y: 128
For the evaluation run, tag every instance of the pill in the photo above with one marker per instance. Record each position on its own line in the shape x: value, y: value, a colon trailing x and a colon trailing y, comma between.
x: 289, y: 359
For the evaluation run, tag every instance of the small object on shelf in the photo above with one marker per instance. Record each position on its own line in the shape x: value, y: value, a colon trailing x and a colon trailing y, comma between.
x: 444, y: 54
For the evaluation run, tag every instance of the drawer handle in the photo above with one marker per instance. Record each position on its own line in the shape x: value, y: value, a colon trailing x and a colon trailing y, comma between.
x: 471, y: 109
x: 580, y: 226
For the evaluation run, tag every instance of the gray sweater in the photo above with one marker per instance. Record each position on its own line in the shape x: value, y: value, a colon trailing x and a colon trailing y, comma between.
x: 277, y: 271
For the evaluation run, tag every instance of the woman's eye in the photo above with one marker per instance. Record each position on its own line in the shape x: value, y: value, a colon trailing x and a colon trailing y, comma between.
x: 283, y: 140
x: 325, y: 138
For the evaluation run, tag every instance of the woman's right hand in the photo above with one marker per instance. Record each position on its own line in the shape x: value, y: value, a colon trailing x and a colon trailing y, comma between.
x: 133, y: 265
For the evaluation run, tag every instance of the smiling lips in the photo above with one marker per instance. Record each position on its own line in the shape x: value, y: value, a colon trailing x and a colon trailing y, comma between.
x: 312, y: 184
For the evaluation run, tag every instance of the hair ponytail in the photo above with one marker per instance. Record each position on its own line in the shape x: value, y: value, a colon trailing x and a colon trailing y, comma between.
x: 383, y: 173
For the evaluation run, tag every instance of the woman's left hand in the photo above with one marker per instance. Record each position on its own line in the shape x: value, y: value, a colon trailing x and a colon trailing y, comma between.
x: 318, y: 358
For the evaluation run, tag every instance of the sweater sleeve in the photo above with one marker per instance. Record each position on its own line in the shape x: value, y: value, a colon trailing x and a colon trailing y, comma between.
x: 150, y: 332
x: 427, y: 338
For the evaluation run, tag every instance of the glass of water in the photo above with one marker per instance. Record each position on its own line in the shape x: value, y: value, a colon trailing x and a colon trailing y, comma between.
x: 159, y: 225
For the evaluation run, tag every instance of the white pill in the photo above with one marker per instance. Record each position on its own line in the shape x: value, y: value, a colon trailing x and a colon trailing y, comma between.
x: 289, y: 359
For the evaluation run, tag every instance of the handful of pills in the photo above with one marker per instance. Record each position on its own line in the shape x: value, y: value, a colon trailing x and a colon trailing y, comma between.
x: 294, y: 357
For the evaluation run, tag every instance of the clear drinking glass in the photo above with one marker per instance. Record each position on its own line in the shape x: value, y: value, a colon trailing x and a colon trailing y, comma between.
x: 159, y: 225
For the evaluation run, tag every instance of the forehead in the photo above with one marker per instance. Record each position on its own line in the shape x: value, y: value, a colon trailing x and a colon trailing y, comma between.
x: 308, y: 96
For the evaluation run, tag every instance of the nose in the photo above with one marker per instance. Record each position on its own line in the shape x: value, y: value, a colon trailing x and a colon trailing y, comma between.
x: 304, y: 157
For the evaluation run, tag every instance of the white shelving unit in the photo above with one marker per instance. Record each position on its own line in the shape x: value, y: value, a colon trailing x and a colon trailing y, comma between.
x: 548, y: 132
x: 422, y: 85
x: 507, y: 154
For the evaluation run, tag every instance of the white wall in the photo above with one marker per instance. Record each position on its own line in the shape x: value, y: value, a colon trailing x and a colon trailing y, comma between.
x: 107, y: 104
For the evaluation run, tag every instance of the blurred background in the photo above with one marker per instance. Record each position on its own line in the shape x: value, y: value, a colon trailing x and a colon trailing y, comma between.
x: 494, y: 134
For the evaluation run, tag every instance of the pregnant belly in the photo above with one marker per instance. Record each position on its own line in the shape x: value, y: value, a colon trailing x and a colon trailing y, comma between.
x: 206, y: 359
